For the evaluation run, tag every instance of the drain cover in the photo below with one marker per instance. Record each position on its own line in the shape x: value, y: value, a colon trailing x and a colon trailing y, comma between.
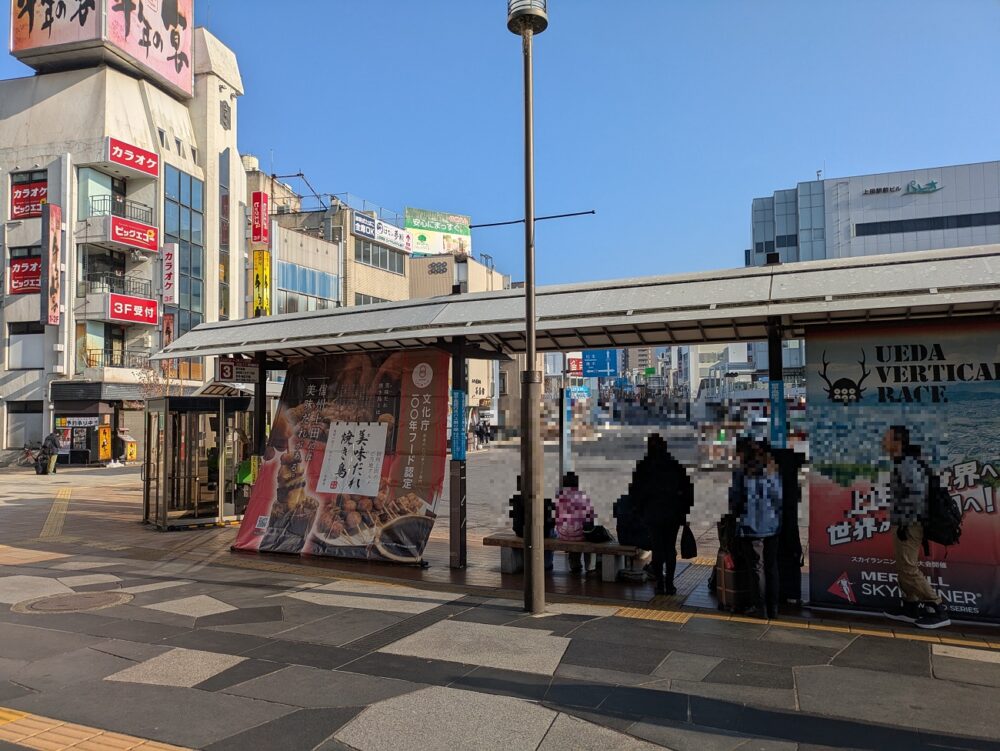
x: 78, y: 602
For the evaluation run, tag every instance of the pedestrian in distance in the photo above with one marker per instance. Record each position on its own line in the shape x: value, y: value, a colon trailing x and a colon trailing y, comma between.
x: 51, y: 448
x: 756, y: 501
x: 909, y: 489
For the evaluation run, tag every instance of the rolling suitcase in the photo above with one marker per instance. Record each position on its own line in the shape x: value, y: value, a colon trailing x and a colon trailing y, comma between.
x: 732, y: 583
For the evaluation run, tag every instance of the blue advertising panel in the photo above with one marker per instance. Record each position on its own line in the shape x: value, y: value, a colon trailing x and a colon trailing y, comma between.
x: 458, y: 439
x: 600, y: 363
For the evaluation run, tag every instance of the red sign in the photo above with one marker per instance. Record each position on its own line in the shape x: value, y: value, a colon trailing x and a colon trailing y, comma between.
x: 133, y: 157
x: 26, y: 199
x: 133, y: 309
x: 574, y: 365
x: 260, y: 218
x: 26, y: 276
x: 134, y: 234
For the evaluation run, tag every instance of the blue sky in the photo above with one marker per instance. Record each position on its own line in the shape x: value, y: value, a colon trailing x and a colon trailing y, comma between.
x: 667, y: 117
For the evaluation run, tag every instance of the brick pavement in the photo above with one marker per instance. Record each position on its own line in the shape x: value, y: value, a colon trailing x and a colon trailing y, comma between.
x: 211, y: 649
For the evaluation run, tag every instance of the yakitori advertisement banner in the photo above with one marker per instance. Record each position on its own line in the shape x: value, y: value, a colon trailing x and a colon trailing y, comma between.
x: 355, y: 459
x: 942, y: 382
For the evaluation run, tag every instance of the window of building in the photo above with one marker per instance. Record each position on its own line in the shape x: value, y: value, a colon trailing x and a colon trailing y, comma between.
x: 180, y: 148
x: 379, y: 256
x: 25, y: 345
x: 786, y: 241
x: 28, y: 192
x: 503, y: 383
x: 301, y: 288
x: 224, y: 204
x: 928, y: 223
x: 24, y: 423
x: 360, y: 299
x: 163, y: 137
x: 183, y: 219
x: 194, y: 155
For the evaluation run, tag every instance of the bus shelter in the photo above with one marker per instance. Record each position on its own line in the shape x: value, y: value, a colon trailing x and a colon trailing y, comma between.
x: 881, y: 296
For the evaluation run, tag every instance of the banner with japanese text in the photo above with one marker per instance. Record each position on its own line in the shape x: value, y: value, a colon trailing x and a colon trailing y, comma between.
x: 942, y: 382
x: 355, y: 459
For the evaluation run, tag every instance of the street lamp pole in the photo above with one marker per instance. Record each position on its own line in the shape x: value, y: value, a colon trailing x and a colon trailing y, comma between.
x: 527, y: 18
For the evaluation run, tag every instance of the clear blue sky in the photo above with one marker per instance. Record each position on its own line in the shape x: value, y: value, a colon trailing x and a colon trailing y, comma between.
x: 667, y: 117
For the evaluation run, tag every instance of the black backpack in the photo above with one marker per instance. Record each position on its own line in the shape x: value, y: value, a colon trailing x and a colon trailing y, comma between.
x: 943, y: 523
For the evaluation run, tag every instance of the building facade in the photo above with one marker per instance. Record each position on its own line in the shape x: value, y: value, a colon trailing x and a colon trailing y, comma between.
x: 891, y: 212
x: 149, y: 183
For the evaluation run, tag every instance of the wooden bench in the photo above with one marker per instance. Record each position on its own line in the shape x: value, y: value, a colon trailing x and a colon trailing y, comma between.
x: 612, y: 554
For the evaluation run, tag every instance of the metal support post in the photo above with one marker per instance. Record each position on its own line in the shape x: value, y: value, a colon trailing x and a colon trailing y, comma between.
x: 457, y: 508
x: 776, y: 383
x: 260, y: 406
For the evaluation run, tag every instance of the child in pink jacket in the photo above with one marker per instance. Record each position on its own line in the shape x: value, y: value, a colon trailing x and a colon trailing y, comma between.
x: 574, y: 513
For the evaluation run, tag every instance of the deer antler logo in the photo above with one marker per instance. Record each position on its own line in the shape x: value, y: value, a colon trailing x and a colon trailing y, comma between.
x: 845, y: 390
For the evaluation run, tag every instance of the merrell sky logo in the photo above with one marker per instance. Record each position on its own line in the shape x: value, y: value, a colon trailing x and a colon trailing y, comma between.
x: 930, y: 186
x: 843, y: 589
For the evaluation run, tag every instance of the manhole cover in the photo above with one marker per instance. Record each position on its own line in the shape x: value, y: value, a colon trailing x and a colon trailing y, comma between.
x: 77, y: 602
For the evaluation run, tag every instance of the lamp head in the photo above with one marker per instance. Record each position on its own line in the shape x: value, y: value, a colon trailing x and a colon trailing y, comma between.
x: 527, y: 15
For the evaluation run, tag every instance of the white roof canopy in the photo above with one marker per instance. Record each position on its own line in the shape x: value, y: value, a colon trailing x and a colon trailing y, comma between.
x: 716, y: 306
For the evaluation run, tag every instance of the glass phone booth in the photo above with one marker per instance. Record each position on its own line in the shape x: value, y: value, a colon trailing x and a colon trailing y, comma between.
x: 197, y: 457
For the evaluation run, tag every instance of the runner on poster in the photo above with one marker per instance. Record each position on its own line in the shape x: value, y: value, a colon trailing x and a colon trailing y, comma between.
x: 943, y: 383
x: 355, y: 459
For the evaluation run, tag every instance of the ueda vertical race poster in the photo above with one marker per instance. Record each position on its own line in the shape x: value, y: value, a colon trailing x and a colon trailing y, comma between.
x: 355, y: 459
x: 941, y: 381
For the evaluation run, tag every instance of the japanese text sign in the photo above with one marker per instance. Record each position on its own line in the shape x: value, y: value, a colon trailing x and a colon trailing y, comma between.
x: 51, y: 271
x: 169, y: 286
x: 435, y: 232
x: 574, y: 365
x: 26, y: 275
x: 939, y: 383
x: 600, y: 363
x: 133, y: 234
x: 353, y: 460
x: 260, y: 219
x: 27, y: 199
x: 458, y: 437
x: 149, y: 36
x: 380, y: 232
x: 261, y: 283
x: 132, y: 309
x: 132, y: 157
x: 232, y: 370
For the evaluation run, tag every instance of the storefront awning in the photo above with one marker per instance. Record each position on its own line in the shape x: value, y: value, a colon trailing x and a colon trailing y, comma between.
x: 717, y: 306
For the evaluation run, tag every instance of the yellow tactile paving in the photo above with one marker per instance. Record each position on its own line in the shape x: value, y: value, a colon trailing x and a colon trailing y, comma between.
x: 57, y: 514
x: 46, y: 734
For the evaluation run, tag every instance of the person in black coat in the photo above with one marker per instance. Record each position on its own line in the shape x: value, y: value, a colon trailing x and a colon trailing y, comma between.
x: 659, y: 499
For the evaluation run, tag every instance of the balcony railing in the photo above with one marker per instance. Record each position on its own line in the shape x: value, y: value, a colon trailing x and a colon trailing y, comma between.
x: 117, y: 205
x: 117, y: 358
x: 103, y: 282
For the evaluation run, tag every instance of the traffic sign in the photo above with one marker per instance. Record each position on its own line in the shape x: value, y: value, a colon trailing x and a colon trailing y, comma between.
x: 600, y: 363
x: 232, y: 370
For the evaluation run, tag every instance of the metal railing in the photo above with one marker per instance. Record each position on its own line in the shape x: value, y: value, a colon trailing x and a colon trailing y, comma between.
x: 119, y: 206
x: 117, y: 358
x: 103, y: 281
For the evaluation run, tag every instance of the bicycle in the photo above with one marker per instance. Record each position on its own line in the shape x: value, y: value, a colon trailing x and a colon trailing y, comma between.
x: 29, y: 455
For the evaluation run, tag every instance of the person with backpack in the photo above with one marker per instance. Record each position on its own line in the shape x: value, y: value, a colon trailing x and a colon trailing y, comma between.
x: 756, y: 500
x: 911, y: 486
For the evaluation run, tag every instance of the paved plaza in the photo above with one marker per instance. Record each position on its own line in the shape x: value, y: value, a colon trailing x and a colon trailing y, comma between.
x: 115, y: 636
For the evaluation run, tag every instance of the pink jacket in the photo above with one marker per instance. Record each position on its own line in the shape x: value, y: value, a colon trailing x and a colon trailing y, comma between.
x: 573, y: 511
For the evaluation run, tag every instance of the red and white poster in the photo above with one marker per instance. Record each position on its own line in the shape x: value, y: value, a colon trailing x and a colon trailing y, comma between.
x: 133, y: 309
x: 355, y: 459
x: 27, y: 199
x: 260, y: 219
x: 133, y: 234
x: 942, y: 384
x: 574, y: 366
x: 156, y: 36
x: 132, y: 157
x: 169, y: 282
x: 51, y: 271
x: 26, y: 275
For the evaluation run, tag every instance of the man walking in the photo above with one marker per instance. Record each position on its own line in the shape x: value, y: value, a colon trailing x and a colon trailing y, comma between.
x: 51, y: 447
x: 908, y: 490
